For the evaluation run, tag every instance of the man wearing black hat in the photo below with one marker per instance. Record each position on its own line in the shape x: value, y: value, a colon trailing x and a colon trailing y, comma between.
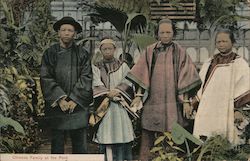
x: 66, y: 81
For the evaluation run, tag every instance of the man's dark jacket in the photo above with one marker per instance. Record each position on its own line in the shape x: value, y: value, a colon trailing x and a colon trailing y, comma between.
x: 66, y: 72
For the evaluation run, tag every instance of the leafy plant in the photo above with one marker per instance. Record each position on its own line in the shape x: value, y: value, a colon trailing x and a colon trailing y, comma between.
x: 133, y: 6
x: 13, y: 37
x: 166, y: 149
x: 143, y: 40
x: 4, y: 101
x: 123, y: 15
x: 21, y: 48
x: 169, y: 146
x: 41, y: 35
x: 5, y: 121
x: 7, y: 143
x: 18, y: 111
x: 219, y: 148
x: 212, y: 14
x: 132, y: 18
x: 123, y: 21
x: 7, y: 124
x: 214, y: 148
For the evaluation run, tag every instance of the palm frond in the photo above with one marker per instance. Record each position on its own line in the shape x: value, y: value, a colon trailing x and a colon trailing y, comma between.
x: 109, y: 13
x: 117, y: 17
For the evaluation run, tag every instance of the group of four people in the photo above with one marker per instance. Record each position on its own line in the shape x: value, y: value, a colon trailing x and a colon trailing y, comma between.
x: 164, y: 79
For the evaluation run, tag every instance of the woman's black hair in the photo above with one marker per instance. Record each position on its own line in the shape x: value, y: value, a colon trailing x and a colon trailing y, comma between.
x: 226, y: 31
x: 168, y: 21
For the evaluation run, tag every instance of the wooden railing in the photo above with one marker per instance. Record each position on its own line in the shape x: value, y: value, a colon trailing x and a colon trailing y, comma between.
x: 183, y: 11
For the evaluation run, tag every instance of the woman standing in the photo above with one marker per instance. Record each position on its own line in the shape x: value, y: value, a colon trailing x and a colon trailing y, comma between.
x: 115, y: 131
x: 225, y: 89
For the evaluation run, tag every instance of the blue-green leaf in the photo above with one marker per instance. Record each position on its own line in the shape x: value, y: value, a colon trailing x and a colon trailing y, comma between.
x: 179, y: 134
x: 5, y: 121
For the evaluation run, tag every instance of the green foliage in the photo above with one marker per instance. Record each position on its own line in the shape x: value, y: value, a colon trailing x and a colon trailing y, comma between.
x: 143, y: 40
x: 165, y: 149
x: 123, y: 20
x: 21, y: 49
x: 8, y: 13
x: 11, y: 144
x: 5, y: 121
x: 138, y: 6
x: 38, y: 96
x: 219, y: 148
x: 135, y: 19
x: 213, y: 13
x: 168, y: 146
x: 10, y: 55
x: 16, y: 116
x: 16, y: 105
x: 117, y: 17
x: 4, y: 101
x: 214, y: 148
x: 179, y: 135
x: 23, y: 46
x: 41, y: 35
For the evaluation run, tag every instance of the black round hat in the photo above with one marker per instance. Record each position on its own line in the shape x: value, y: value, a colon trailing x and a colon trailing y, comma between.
x: 67, y: 20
